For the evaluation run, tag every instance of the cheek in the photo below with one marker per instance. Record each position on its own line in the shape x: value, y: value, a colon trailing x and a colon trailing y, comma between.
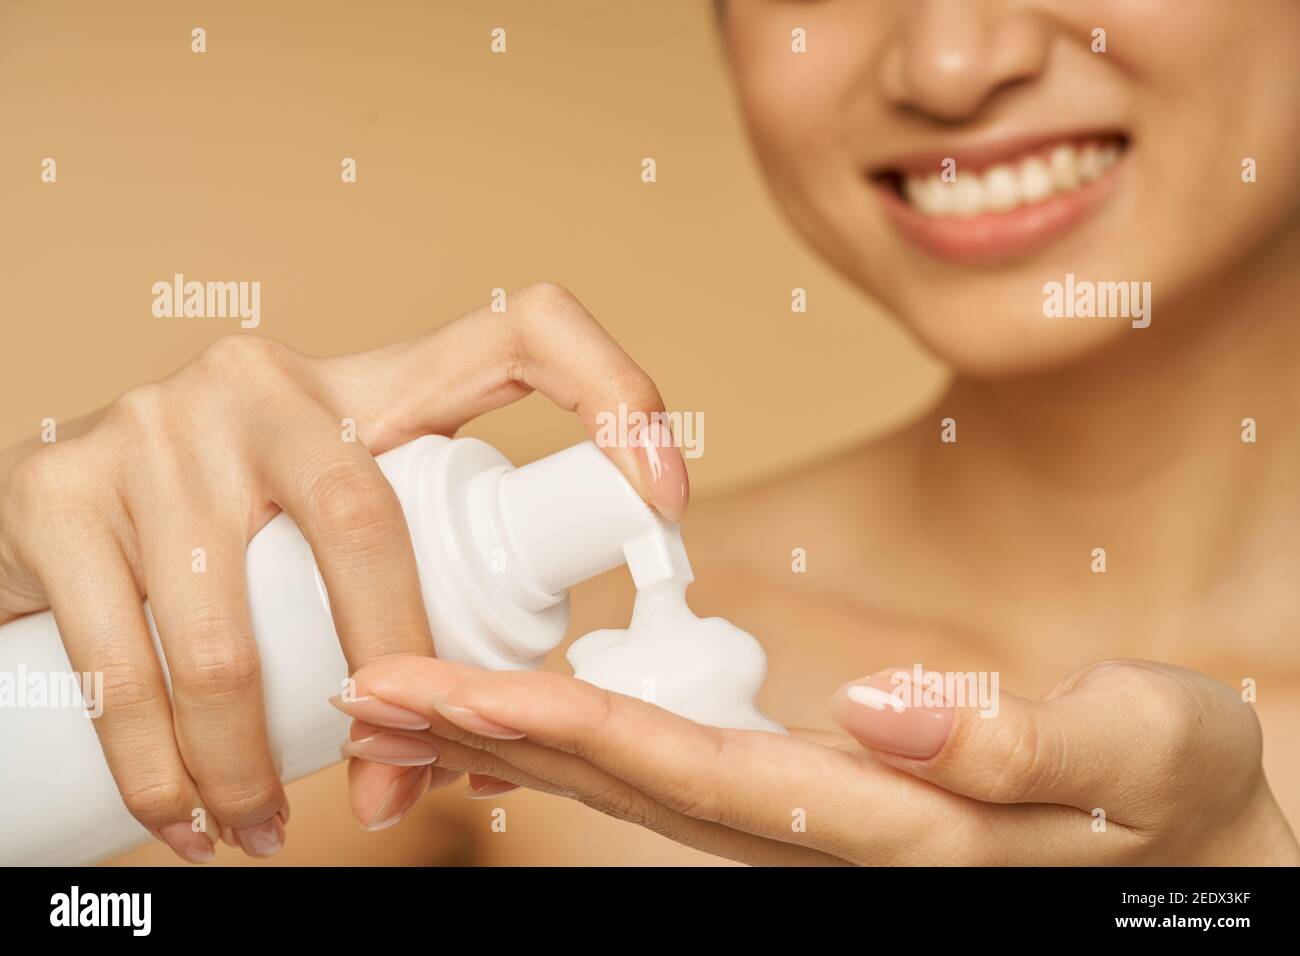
x: 788, y: 131
x: 806, y: 119
x: 796, y: 103
x: 1141, y: 30
x: 1217, y: 89
x: 1216, y: 81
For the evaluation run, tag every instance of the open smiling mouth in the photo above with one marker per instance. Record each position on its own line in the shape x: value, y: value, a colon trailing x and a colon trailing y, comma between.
x: 1005, y: 200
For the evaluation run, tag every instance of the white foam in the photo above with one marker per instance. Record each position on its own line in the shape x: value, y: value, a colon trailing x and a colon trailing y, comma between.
x: 704, y: 669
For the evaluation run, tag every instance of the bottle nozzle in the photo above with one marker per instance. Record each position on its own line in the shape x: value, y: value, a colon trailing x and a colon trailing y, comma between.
x: 572, y: 515
x: 658, y: 556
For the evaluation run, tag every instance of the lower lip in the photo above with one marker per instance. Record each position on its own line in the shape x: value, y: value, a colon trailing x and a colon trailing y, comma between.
x: 999, y: 236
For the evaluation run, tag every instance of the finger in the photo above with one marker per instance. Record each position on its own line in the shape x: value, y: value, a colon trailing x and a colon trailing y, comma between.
x: 545, y: 341
x: 374, y: 801
x: 382, y: 795
x: 337, y: 496
x: 100, y: 616
x: 564, y: 775
x: 1113, y: 736
x: 740, y: 780
x: 194, y: 571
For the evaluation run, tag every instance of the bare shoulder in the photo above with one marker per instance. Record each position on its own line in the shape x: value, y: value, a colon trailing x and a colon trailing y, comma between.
x: 825, y: 511
x: 753, y: 534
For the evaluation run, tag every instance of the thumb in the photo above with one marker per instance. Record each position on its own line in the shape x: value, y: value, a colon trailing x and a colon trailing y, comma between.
x: 1104, y: 737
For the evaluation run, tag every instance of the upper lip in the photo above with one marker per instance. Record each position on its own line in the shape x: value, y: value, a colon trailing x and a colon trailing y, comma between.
x: 978, y: 154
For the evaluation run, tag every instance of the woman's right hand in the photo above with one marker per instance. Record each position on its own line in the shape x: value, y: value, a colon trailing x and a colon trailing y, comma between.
x: 92, y: 524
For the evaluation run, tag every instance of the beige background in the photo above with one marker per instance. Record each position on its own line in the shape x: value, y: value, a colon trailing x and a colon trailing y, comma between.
x: 475, y: 171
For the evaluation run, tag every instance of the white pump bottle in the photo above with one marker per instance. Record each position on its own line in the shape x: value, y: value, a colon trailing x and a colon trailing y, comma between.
x: 497, y: 547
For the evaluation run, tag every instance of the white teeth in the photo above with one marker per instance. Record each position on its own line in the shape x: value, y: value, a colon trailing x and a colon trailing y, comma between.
x: 941, y: 197
x: 1090, y: 163
x: 1001, y: 188
x: 1005, y: 186
x: 966, y: 196
x: 1035, y: 181
x: 921, y: 193
x: 929, y: 195
x: 1065, y: 167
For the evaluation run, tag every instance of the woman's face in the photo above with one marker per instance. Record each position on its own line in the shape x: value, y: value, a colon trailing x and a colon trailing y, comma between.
x: 1122, y: 166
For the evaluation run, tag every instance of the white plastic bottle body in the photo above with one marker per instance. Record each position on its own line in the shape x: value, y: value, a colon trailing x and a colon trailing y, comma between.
x: 59, y: 804
x: 497, y: 549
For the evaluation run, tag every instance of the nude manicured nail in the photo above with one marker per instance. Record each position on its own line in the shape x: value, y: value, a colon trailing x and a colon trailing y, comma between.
x: 887, y: 716
x: 476, y: 723
x: 489, y: 788
x: 375, y: 711
x: 402, y: 794
x: 191, y: 846
x: 265, y: 839
x: 396, y: 750
x: 663, y: 470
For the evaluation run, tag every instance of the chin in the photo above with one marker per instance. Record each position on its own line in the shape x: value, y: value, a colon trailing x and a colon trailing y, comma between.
x: 1007, y: 339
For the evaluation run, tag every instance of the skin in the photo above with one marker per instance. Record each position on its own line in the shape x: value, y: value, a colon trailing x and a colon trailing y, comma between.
x: 972, y: 556
x: 82, y: 532
x: 1073, y: 436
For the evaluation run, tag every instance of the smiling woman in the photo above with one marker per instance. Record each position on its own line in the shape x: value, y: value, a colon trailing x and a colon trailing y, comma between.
x: 964, y: 162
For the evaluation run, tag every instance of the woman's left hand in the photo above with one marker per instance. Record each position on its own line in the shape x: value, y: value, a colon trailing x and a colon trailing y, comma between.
x: 1125, y: 762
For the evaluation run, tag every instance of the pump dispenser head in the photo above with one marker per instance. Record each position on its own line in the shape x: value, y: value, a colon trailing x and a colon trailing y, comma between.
x: 572, y: 516
x: 510, y: 542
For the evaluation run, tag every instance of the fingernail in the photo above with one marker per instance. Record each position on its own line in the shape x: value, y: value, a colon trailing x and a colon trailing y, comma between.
x: 663, y: 470
x: 481, y: 788
x: 191, y: 846
x: 265, y: 839
x: 891, y: 716
x: 375, y: 711
x: 395, y: 750
x: 476, y: 723
x: 402, y: 794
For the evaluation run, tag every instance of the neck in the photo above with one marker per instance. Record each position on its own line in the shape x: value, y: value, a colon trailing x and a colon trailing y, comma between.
x: 1138, y: 451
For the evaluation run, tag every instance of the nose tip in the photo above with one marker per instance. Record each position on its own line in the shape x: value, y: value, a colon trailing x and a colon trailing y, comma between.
x: 945, y: 81
x: 949, y: 59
